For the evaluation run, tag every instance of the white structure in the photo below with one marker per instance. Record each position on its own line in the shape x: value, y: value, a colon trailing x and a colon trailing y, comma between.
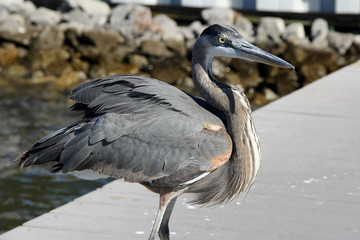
x: 289, y: 5
x: 298, y: 6
x: 212, y: 3
x: 347, y: 6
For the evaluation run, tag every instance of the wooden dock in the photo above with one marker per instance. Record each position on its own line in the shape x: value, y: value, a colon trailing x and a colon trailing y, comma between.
x: 308, y: 186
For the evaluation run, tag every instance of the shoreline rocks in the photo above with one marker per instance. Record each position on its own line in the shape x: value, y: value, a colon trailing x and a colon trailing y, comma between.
x: 86, y: 39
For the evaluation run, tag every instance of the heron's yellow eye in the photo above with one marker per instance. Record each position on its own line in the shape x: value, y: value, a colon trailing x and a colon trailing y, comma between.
x: 222, y: 40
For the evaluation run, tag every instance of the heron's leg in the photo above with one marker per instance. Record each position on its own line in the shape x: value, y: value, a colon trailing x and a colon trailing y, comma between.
x: 167, y: 199
x: 164, y: 227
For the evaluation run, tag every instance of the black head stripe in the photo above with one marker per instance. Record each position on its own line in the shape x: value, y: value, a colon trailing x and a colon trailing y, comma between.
x: 219, y: 29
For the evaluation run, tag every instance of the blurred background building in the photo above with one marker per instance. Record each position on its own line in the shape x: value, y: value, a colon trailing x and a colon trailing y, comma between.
x: 300, y: 6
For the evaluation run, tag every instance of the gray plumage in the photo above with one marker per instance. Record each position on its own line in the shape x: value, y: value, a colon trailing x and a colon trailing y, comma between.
x: 146, y: 131
x: 125, y: 132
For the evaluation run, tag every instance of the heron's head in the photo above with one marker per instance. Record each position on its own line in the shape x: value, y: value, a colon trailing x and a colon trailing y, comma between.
x: 223, y: 40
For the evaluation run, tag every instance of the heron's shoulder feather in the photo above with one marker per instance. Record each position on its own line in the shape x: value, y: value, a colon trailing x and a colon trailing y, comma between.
x: 128, y: 94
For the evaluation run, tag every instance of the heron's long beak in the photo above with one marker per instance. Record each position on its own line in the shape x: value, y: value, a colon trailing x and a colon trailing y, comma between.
x: 247, y: 51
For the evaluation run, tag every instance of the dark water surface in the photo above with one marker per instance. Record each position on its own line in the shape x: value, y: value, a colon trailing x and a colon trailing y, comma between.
x: 27, y: 115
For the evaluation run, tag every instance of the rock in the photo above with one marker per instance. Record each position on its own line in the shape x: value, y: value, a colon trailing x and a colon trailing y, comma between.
x: 79, y: 65
x: 38, y: 77
x: 187, y: 84
x: 258, y: 100
x: 97, y: 71
x: 9, y: 3
x: 248, y: 73
x: 155, y: 48
x: 245, y: 28
x: 294, y: 33
x: 191, y: 32
x: 326, y: 57
x: 78, y: 20
x: 299, y: 55
x: 312, y: 72
x: 147, y: 35
x: 57, y: 67
x: 23, y: 52
x: 269, y: 30
x: 89, y: 7
x: 122, y: 51
x: 341, y: 42
x: 232, y: 78
x: 122, y: 68
x: 170, y: 70
x: 319, y: 32
x: 176, y: 46
x: 286, y: 81
x: 8, y: 55
x: 131, y: 20
x: 42, y: 58
x: 71, y: 37
x: 27, y: 8
x: 94, y: 43
x: 105, y: 41
x: 167, y: 28
x: 16, y: 71
x: 187, y: 32
x: 43, y: 17
x: 197, y: 28
x: 72, y: 26
x: 356, y: 40
x: 67, y: 80
x: 219, y: 67
x: 13, y: 28
x: 270, y: 95
x: 218, y: 16
x: 18, y: 6
x: 3, y: 13
x: 50, y: 37
x: 138, y: 60
x: 90, y: 13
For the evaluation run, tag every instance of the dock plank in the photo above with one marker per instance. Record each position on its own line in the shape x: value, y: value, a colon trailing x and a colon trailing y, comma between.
x: 308, y: 186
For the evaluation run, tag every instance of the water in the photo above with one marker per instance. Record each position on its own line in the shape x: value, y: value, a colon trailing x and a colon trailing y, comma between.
x: 26, y: 115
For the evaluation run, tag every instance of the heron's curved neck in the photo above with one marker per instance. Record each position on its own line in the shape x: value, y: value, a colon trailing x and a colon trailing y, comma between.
x: 205, y: 82
x: 245, y: 160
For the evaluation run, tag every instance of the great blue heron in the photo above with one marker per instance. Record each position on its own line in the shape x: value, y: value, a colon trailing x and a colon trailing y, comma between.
x: 146, y: 131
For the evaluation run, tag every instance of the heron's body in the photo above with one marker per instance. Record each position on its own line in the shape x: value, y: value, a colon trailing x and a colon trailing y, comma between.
x: 146, y: 131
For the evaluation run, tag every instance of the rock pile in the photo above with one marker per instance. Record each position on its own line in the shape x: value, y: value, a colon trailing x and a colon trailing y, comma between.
x: 86, y: 39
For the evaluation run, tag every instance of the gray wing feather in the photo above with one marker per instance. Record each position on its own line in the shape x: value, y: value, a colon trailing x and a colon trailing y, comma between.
x: 141, y: 130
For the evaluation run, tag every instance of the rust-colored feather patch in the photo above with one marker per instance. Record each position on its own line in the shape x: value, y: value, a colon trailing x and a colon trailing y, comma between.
x: 218, y: 161
x: 212, y: 127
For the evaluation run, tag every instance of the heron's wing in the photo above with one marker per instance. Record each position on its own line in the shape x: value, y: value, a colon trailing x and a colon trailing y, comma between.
x: 146, y: 149
x: 147, y: 129
x: 143, y: 130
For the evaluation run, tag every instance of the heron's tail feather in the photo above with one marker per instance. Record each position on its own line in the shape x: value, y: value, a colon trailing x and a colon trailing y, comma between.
x: 47, y: 149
